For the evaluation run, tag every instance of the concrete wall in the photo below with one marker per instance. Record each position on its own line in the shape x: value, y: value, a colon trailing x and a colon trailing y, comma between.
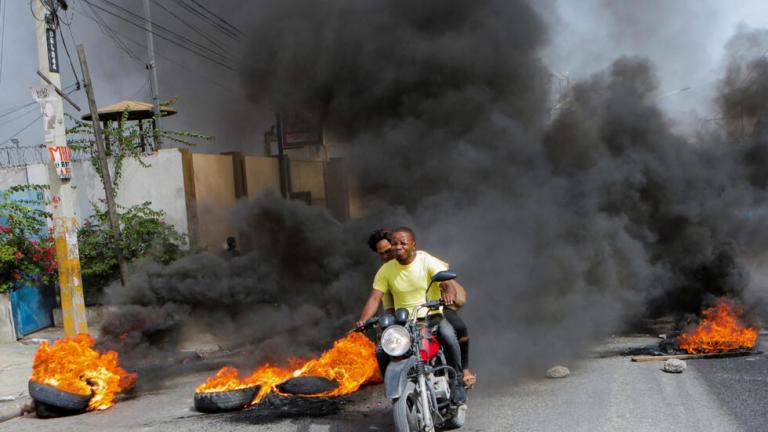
x: 197, y: 191
x: 12, y: 177
x: 7, y: 331
x: 161, y: 183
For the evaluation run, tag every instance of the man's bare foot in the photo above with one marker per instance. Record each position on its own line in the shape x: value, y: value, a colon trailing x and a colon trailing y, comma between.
x: 469, y: 378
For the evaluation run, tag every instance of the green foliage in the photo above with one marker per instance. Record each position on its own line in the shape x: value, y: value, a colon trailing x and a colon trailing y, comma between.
x: 27, y: 251
x: 145, y: 235
x: 123, y: 140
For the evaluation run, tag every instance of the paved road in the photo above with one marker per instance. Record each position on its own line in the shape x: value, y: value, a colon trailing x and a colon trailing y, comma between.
x: 602, y: 394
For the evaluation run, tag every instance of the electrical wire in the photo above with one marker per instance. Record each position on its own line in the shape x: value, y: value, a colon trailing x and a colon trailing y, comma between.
x: 107, y: 31
x: 10, y: 111
x: 220, y: 19
x: 21, y: 130
x: 154, y: 24
x: 181, y: 65
x: 71, y: 64
x: 191, y: 26
x: 33, y: 120
x: 205, y: 18
x: 21, y: 114
x: 161, y: 36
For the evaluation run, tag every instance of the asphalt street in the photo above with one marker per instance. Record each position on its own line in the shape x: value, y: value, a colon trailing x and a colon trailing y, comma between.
x: 605, y: 392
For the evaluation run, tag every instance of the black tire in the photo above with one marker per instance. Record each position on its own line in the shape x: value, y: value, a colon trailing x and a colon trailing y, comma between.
x: 54, y: 397
x: 45, y: 411
x: 457, y: 419
x: 307, y: 385
x: 232, y: 400
x: 406, y: 410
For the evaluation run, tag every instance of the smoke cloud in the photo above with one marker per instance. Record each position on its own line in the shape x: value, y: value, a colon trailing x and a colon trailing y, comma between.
x: 562, y: 225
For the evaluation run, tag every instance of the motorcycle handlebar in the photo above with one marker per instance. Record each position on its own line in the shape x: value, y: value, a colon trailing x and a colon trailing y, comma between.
x: 368, y: 324
x: 372, y: 322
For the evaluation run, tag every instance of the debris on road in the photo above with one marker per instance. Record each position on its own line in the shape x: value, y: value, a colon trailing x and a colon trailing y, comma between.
x: 674, y: 366
x: 740, y: 353
x: 558, y: 372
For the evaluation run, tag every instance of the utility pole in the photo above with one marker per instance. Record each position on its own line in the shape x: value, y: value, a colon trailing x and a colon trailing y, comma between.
x: 59, y: 172
x: 283, y: 165
x: 101, y: 153
x: 152, y: 74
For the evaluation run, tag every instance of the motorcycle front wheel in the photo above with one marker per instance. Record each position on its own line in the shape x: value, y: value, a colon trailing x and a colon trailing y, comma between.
x: 407, y: 410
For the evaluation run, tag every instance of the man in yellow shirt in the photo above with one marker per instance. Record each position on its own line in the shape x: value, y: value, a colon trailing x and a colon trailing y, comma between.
x: 407, y: 277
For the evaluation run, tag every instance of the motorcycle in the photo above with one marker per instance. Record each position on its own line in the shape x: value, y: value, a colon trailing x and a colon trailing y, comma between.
x: 418, y: 378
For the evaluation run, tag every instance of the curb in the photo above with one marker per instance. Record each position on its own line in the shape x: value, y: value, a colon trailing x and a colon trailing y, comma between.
x: 17, y: 408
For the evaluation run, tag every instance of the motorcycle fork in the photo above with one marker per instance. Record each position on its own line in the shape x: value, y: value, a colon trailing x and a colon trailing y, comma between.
x: 424, y: 393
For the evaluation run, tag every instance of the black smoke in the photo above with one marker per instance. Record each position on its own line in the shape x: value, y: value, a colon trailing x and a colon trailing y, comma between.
x: 562, y: 223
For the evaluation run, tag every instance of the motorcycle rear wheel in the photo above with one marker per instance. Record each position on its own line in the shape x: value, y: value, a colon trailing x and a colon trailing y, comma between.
x: 407, y: 410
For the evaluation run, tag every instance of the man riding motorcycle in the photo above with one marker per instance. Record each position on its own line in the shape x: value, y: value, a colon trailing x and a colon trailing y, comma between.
x: 380, y: 241
x: 406, y: 277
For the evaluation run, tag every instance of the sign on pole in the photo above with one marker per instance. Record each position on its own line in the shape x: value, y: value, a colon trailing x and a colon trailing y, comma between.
x: 51, y: 107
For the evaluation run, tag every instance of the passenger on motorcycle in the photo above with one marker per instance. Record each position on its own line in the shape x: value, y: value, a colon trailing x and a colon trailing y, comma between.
x: 406, y: 277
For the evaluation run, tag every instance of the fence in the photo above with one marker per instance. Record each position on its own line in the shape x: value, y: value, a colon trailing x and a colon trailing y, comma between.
x: 22, y: 156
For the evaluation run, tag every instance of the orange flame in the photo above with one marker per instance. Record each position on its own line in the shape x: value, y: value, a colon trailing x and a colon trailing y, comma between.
x: 72, y: 365
x: 351, y: 362
x: 719, y: 330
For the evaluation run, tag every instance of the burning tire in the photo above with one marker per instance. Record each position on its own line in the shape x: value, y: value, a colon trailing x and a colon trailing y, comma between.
x: 49, y: 395
x: 307, y: 385
x: 210, y: 402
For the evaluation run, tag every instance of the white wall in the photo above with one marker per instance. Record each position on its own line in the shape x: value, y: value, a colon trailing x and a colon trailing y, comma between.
x: 161, y: 183
x: 12, y: 177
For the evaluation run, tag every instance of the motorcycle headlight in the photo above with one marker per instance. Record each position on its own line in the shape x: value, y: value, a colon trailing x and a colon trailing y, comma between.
x: 395, y: 340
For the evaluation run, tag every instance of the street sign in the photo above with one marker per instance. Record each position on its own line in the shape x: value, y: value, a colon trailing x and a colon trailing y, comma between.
x: 47, y: 98
x: 299, y: 131
x: 62, y: 160
x: 53, y: 55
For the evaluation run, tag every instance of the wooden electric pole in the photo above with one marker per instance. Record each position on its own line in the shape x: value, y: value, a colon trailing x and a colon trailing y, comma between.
x: 101, y: 153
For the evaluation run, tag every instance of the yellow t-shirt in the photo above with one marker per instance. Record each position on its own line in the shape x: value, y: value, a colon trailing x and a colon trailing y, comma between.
x: 408, y: 283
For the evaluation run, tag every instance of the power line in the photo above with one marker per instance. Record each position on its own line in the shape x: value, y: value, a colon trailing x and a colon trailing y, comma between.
x: 111, y: 34
x: 184, y: 47
x: 72, y: 65
x: 22, y: 113
x: 22, y: 129
x: 191, y: 26
x: 15, y: 109
x: 168, y: 59
x: 191, y: 9
x: 144, y: 20
x: 34, y: 120
x: 220, y: 19
x: 12, y: 110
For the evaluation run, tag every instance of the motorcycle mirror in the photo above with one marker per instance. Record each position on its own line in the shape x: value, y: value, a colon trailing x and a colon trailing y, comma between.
x: 401, y: 316
x: 443, y: 276
x: 386, y: 320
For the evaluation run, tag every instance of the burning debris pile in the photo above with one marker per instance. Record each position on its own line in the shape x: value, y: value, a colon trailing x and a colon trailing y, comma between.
x: 341, y: 370
x: 71, y: 367
x: 720, y: 332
